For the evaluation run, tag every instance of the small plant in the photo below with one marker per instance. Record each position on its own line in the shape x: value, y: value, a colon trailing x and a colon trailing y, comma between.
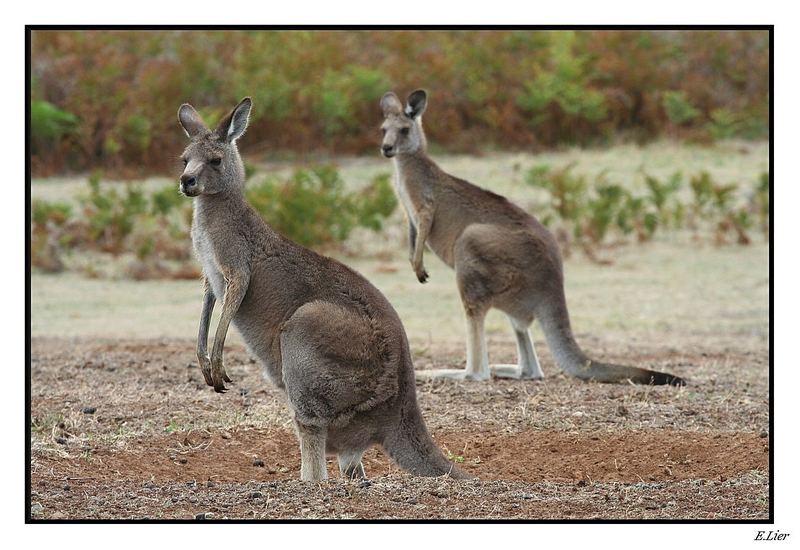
x: 375, y: 203
x: 49, y: 125
x: 458, y: 459
x: 663, y: 197
x: 761, y: 202
x: 724, y: 124
x: 47, y: 234
x: 678, y: 108
x: 590, y: 212
x: 165, y: 200
x: 111, y: 216
x: 567, y: 191
x: 603, y: 210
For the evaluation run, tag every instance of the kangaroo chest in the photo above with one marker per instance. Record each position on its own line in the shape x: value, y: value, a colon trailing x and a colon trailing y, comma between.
x: 413, y: 196
x: 402, y: 190
x: 208, y: 261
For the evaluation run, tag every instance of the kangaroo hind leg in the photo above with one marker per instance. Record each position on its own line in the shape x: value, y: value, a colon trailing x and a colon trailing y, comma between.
x: 312, y: 453
x: 350, y: 464
x: 527, y: 367
x: 477, y: 355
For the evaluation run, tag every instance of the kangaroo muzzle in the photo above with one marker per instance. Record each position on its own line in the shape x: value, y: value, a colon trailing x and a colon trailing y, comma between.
x: 388, y: 150
x: 189, y: 185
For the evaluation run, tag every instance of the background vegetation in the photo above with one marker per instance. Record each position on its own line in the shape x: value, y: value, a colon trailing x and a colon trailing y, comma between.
x: 108, y: 99
x: 148, y: 231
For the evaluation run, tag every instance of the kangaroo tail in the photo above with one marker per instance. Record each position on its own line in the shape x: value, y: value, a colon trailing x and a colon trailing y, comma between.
x: 571, y: 359
x: 409, y: 443
x: 412, y: 448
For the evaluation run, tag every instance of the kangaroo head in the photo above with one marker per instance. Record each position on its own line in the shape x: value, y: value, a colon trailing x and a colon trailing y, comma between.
x: 212, y: 163
x: 402, y: 126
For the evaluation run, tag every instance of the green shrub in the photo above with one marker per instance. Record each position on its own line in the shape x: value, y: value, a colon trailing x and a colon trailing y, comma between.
x: 725, y: 124
x: 341, y: 93
x: 313, y: 209
x: 678, y: 108
x: 564, y: 83
x: 375, y: 203
x: 315, y: 89
x: 567, y: 191
x: 111, y: 216
x: 663, y: 197
x: 591, y: 212
x: 138, y: 132
x: 49, y: 125
x: 761, y: 199
x: 166, y: 199
x: 43, y: 212
x: 603, y: 209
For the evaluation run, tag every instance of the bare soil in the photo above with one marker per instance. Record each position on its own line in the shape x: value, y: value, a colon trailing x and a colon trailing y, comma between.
x: 127, y: 429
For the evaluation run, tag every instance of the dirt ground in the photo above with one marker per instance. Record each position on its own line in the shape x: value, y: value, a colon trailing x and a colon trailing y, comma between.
x: 128, y: 429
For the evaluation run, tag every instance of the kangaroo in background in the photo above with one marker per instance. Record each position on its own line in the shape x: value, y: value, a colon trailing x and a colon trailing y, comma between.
x: 322, y: 332
x: 503, y: 258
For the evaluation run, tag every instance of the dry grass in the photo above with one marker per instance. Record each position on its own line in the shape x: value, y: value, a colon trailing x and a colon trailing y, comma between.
x: 162, y: 444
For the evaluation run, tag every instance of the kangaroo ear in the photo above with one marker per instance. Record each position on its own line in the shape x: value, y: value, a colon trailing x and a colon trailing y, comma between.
x: 234, y: 124
x: 191, y: 121
x: 391, y: 104
x: 415, y: 104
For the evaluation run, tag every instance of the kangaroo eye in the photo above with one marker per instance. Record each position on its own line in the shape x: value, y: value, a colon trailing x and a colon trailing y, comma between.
x: 404, y: 131
x: 383, y: 131
x: 215, y: 162
x: 185, y: 162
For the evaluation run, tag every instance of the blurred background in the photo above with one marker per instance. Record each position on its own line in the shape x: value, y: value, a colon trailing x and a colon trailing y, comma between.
x: 108, y: 99
x: 646, y: 153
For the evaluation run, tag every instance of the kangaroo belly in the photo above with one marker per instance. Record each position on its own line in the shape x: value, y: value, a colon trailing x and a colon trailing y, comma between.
x: 261, y: 344
x: 259, y: 326
x: 441, y: 242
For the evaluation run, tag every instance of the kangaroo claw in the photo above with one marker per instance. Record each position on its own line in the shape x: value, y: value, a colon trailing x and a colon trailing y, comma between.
x: 205, y: 368
x: 219, y: 376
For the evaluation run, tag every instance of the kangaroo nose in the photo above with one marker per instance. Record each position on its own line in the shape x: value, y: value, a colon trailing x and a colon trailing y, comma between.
x: 387, y: 148
x: 188, y: 181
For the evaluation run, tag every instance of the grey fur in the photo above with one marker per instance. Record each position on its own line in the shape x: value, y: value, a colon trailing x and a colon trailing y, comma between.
x: 321, y: 331
x: 503, y: 257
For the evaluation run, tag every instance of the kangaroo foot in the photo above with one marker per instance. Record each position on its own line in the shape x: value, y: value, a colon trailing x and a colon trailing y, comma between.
x: 350, y: 465
x: 514, y: 372
x: 219, y: 376
x: 449, y: 374
x: 354, y: 472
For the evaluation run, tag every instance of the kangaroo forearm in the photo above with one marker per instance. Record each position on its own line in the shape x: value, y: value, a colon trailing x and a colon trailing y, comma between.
x: 234, y: 294
x: 419, y: 243
x: 205, y: 322
x: 412, y: 238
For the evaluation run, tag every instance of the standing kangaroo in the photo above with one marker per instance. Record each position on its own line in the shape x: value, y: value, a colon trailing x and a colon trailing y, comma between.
x: 323, y: 333
x: 503, y: 258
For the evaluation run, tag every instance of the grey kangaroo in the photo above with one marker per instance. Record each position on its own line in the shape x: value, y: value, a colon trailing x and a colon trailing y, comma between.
x: 503, y: 258
x: 322, y: 332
